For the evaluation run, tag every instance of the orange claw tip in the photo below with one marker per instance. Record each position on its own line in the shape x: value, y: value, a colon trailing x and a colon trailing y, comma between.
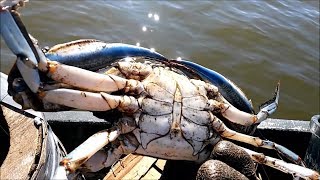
x: 41, y: 94
x: 52, y: 66
x: 72, y: 166
x: 64, y: 162
x: 254, y: 119
x: 315, y: 176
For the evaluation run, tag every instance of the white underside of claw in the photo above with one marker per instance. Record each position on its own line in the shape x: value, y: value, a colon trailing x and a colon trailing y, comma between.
x: 85, y: 79
x: 93, y: 144
x: 81, y: 99
x: 235, y: 115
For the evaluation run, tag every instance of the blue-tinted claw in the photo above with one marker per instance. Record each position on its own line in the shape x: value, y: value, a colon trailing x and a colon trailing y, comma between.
x: 227, y: 88
x: 270, y: 106
x: 17, y: 39
x: 93, y: 54
x: 30, y: 75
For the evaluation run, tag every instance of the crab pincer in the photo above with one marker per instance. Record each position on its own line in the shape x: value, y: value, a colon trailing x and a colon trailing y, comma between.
x: 29, y: 56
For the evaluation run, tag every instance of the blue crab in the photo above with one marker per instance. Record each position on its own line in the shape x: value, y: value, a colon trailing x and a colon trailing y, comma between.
x: 168, y: 109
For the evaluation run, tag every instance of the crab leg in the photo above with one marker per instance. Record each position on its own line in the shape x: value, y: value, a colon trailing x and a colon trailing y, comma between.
x: 84, y: 79
x: 285, y: 167
x: 225, y: 132
x: 90, y: 101
x: 88, y: 148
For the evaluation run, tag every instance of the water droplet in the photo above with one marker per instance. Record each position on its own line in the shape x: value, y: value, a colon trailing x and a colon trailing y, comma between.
x: 179, y: 58
x: 152, y: 50
x: 137, y: 44
x: 150, y: 15
x: 156, y: 17
x: 144, y: 28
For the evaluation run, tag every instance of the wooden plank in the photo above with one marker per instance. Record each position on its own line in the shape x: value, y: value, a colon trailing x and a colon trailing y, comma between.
x: 136, y: 167
x: 131, y: 167
x: 23, y: 145
x: 123, y: 167
x: 141, y: 168
x: 151, y: 175
x: 161, y: 163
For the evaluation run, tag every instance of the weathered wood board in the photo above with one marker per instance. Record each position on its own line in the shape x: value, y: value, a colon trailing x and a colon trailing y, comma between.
x: 24, y: 145
x: 136, y: 167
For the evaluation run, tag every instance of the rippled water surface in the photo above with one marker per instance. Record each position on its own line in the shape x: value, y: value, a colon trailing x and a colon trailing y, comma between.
x: 254, y: 43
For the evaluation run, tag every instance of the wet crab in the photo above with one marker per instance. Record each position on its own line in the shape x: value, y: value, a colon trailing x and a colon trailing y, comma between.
x: 165, y: 111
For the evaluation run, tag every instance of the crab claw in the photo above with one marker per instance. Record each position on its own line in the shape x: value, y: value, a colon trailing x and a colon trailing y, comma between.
x: 29, y: 56
x: 270, y: 106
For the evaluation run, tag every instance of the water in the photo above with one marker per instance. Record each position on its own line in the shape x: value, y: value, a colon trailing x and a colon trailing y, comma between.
x: 254, y: 43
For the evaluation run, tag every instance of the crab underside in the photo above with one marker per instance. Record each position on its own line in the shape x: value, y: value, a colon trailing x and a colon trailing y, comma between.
x: 164, y: 111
